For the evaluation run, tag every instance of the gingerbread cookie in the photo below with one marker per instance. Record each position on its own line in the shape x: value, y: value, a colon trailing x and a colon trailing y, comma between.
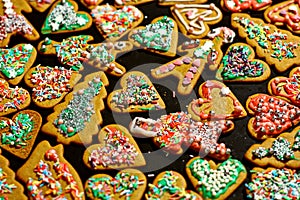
x: 272, y: 183
x: 280, y: 152
x: 40, y: 5
x: 285, y: 13
x: 76, y: 119
x: 16, y: 61
x: 170, y: 185
x: 239, y: 65
x: 174, y: 2
x: 90, y: 4
x: 137, y: 94
x: 64, y: 17
x: 286, y: 88
x: 9, y: 187
x: 216, y: 102
x: 73, y: 51
x: 121, y: 3
x: 19, y: 133
x: 175, y: 131
x: 12, y: 99
x: 47, y: 174
x: 50, y: 84
x: 240, y: 6
x: 279, y: 47
x: 114, y: 23
x: 194, y: 19
x: 13, y: 22
x: 215, y: 181
x: 271, y: 116
x: 127, y: 184
x: 200, y: 53
x: 161, y: 36
x: 117, y: 150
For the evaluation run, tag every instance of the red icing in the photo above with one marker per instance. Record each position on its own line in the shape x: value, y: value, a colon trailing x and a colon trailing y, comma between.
x: 250, y: 4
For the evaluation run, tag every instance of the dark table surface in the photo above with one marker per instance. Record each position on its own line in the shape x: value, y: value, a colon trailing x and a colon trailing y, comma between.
x: 238, y: 140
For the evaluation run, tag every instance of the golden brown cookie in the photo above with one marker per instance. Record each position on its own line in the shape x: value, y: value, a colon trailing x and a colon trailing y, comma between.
x: 90, y: 4
x: 127, y: 183
x: 137, y: 94
x: 239, y: 65
x: 173, y: 2
x: 215, y: 181
x: 50, y: 84
x: 240, y: 6
x: 40, y: 5
x: 121, y: 3
x: 117, y: 149
x: 76, y: 119
x: 47, y: 174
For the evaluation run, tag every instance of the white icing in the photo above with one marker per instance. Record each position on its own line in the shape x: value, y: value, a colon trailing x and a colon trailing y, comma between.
x: 134, y: 129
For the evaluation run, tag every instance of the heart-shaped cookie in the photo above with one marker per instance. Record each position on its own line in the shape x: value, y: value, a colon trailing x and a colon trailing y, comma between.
x: 19, y: 133
x: 285, y: 13
x: 64, y: 17
x: 90, y: 4
x: 40, y: 5
x: 170, y: 185
x: 240, y: 6
x: 272, y: 183
x: 121, y: 3
x: 50, y: 84
x: 76, y: 119
x: 280, y: 152
x: 127, y: 184
x: 114, y: 23
x: 216, y: 102
x: 9, y: 187
x: 286, y: 88
x: 117, y: 149
x: 239, y: 65
x: 137, y: 94
x: 200, y: 53
x: 272, y: 116
x: 16, y: 61
x: 173, y: 2
x: 194, y: 19
x: 215, y: 181
x: 48, y: 175
x: 13, y: 22
x: 161, y: 36
x: 73, y: 51
x: 12, y: 99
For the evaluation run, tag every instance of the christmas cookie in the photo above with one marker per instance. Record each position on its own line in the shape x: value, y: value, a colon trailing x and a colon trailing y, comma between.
x: 64, y: 17
x: 215, y: 181
x: 279, y: 47
x: 216, y: 102
x: 19, y: 133
x: 137, y: 94
x: 239, y: 65
x: 170, y: 185
x: 114, y: 23
x: 200, y: 53
x: 12, y: 99
x: 240, y: 5
x: 280, y: 152
x: 13, y: 22
x: 271, y: 116
x: 41, y: 5
x: 121, y: 3
x: 194, y: 19
x: 15, y: 62
x: 161, y: 36
x: 76, y: 119
x: 285, y: 13
x: 90, y: 4
x: 117, y: 149
x: 273, y: 183
x: 175, y: 131
x: 127, y: 184
x: 173, y: 2
x: 287, y: 88
x: 47, y: 174
x: 73, y: 51
x: 50, y: 84
x: 9, y: 187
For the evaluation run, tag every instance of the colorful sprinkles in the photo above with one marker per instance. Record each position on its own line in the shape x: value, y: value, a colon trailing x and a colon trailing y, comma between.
x: 5, y: 187
x: 100, y: 188
x: 274, y: 184
x: 68, y: 123
x: 19, y: 130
